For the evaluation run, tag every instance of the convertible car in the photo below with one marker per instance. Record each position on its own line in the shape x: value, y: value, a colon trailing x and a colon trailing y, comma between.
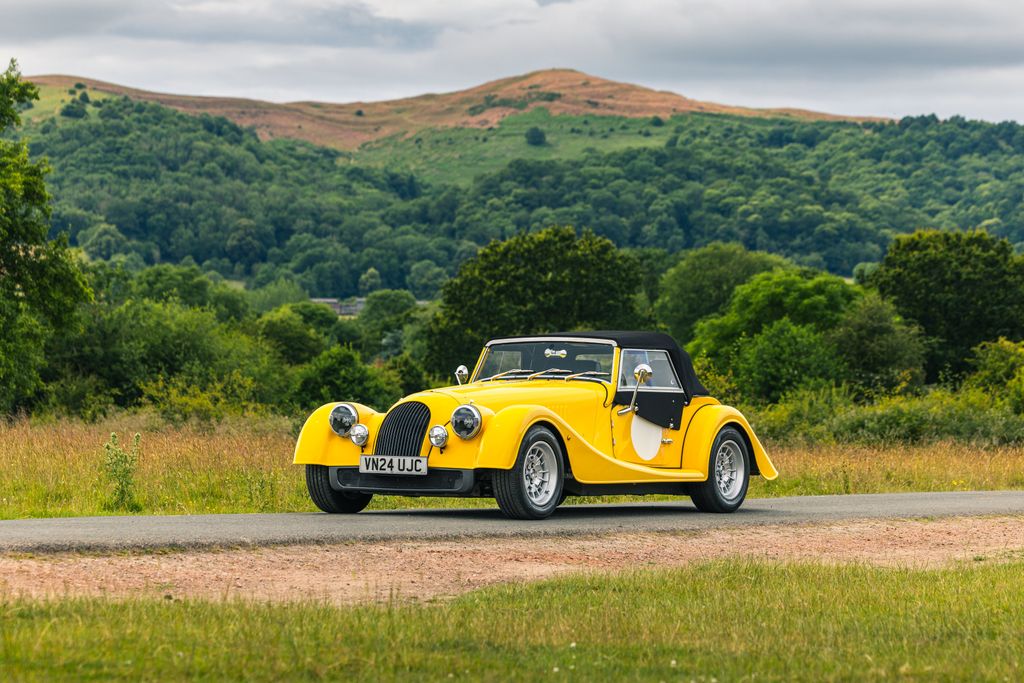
x: 541, y: 418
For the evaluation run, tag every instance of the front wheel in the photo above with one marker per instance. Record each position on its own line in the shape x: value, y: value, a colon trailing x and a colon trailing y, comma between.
x: 728, y: 474
x: 318, y: 483
x: 532, y: 489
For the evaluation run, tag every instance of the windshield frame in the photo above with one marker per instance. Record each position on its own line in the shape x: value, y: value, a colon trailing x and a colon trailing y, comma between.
x: 475, y: 377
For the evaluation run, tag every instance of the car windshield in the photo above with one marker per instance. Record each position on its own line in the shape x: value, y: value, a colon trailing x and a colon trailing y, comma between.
x: 546, y: 358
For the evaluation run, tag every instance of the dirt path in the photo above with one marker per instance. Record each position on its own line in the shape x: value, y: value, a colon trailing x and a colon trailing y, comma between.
x: 366, y: 572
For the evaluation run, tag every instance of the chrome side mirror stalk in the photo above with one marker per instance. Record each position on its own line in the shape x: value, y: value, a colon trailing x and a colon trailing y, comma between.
x: 461, y: 374
x: 641, y: 374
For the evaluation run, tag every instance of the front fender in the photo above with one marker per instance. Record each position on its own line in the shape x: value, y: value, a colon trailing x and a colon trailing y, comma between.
x: 319, y: 445
x: 701, y: 433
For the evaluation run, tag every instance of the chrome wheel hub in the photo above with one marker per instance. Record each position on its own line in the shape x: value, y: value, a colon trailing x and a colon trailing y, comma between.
x: 730, y: 469
x: 539, y: 473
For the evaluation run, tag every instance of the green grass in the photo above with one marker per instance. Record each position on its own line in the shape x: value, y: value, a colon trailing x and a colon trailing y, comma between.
x: 52, y: 99
x: 457, y: 155
x: 724, y: 621
x: 55, y: 469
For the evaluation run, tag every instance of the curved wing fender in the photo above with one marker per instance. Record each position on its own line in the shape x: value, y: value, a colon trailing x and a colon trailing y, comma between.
x: 504, y: 431
x: 703, y: 429
x: 319, y: 445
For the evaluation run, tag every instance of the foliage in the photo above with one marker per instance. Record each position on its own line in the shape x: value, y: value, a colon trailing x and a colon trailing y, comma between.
x: 339, y: 373
x: 293, y: 339
x: 805, y: 296
x: 963, y: 288
x: 784, y: 356
x: 39, y: 279
x: 824, y: 415
x: 702, y: 282
x: 880, y: 352
x: 120, y: 465
x: 535, y: 137
x: 537, y: 282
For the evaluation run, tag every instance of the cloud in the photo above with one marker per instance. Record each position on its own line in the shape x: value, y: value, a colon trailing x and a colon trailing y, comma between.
x: 849, y: 56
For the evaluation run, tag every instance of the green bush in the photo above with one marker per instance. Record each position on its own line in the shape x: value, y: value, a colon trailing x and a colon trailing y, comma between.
x: 782, y: 357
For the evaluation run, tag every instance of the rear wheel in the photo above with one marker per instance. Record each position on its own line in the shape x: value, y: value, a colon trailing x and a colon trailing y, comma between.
x: 728, y: 474
x: 532, y: 489
x: 318, y: 482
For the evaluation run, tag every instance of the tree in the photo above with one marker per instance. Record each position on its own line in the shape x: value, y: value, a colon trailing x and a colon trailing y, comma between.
x: 386, y: 310
x: 962, y: 288
x: 40, y: 283
x: 702, y: 282
x: 881, y: 353
x: 370, y: 281
x: 537, y: 282
x: 338, y: 374
x: 805, y: 297
x: 291, y: 337
x: 425, y: 279
x: 783, y: 357
x: 536, y: 137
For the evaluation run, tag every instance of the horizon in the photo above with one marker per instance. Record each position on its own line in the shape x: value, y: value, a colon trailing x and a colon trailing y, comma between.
x: 848, y: 58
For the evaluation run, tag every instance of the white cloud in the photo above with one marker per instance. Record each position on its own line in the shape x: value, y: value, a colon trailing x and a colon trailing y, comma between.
x: 848, y: 56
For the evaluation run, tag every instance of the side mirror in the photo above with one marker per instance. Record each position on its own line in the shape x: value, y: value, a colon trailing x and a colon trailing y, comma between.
x: 641, y: 373
x: 461, y: 374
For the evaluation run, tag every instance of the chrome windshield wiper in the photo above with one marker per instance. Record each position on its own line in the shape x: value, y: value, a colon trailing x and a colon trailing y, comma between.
x: 589, y: 374
x: 549, y: 371
x: 503, y: 374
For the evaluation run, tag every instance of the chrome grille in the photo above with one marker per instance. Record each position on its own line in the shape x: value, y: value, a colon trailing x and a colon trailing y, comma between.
x: 403, y: 430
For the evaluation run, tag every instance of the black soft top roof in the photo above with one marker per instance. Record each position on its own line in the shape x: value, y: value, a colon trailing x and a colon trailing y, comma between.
x: 645, y: 340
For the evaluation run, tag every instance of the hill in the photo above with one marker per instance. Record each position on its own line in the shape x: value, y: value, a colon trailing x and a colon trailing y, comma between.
x: 143, y: 182
x: 351, y: 125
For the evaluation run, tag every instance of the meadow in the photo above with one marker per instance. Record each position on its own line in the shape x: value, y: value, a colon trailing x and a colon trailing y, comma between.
x: 55, y: 468
x: 719, y: 621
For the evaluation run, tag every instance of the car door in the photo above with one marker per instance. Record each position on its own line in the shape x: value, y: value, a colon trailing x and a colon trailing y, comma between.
x: 637, y: 439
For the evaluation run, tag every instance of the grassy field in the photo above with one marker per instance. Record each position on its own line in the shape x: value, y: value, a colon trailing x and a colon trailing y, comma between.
x: 52, y: 100
x: 722, y: 621
x: 56, y: 469
x: 457, y: 155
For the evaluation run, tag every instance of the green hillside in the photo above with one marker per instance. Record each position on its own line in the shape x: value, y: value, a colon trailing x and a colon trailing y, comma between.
x: 145, y: 183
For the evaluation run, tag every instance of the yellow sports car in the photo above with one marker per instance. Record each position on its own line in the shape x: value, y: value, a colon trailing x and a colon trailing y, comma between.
x: 541, y: 418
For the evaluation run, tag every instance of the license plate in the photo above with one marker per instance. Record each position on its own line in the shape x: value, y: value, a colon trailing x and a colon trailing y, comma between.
x: 392, y: 464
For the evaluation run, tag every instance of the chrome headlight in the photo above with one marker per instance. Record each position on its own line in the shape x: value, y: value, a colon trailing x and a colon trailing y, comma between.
x: 438, y: 436
x: 466, y: 421
x: 343, y: 418
x: 359, y: 434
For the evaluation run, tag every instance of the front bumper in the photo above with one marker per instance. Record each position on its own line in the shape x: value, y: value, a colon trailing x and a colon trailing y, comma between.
x: 438, y: 481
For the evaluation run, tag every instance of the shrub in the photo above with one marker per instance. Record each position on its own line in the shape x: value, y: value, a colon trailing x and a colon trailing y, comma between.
x: 119, y: 466
x: 536, y: 137
x: 73, y: 110
x: 783, y: 357
x: 995, y: 364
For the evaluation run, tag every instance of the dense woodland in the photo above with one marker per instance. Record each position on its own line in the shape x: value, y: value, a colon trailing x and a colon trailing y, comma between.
x: 157, y: 186
x: 194, y: 248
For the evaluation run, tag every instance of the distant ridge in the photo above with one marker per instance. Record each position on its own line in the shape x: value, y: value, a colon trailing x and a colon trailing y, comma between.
x: 347, y: 126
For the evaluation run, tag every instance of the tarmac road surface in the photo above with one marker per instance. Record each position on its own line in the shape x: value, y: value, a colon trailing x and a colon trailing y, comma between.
x: 197, y: 531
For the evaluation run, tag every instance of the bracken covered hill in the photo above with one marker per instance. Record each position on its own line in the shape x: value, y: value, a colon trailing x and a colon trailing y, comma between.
x: 347, y: 126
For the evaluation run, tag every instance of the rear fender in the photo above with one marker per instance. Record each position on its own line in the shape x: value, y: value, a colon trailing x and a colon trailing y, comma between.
x: 701, y: 433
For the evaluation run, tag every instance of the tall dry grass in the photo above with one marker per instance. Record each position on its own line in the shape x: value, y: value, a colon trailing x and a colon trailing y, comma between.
x: 53, y: 469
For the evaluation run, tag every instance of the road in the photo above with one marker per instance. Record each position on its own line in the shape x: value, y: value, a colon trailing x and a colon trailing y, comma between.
x: 197, y: 531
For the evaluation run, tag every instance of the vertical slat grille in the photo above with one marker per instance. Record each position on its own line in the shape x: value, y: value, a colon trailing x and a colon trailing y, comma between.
x: 403, y: 430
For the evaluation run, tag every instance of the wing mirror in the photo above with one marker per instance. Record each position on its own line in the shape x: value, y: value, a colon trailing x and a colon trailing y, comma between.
x: 641, y: 373
x: 461, y: 374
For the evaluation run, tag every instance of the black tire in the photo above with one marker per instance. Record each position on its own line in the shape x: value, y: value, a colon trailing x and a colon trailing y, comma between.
x: 520, y: 500
x: 318, y: 482
x: 712, y: 496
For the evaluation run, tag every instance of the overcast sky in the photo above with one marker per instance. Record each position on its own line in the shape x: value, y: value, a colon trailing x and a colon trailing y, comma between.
x: 878, y: 57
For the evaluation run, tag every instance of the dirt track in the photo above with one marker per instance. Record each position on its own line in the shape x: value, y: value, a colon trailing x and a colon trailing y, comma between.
x: 423, y: 570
